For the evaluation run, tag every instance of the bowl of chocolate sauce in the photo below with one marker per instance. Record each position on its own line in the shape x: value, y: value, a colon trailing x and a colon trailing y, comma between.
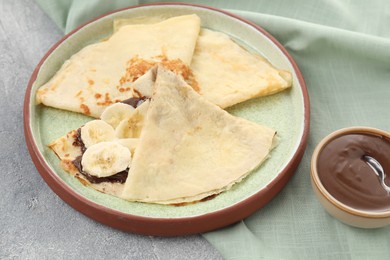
x: 350, y: 174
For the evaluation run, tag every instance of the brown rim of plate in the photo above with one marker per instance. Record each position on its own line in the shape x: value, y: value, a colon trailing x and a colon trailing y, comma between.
x: 316, y: 179
x: 166, y: 226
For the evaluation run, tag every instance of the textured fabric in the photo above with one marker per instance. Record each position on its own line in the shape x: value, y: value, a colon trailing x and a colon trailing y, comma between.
x: 343, y: 51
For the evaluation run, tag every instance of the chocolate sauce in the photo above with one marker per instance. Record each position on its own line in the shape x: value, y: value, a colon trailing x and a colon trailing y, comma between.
x: 79, y: 142
x: 347, y: 176
x: 193, y: 202
x: 134, y: 101
x: 118, y: 177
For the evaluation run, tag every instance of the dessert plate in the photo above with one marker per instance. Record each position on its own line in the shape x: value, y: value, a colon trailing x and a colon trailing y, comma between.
x: 287, y: 112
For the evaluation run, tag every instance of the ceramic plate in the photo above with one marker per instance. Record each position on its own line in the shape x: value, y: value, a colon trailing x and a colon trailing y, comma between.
x: 287, y: 112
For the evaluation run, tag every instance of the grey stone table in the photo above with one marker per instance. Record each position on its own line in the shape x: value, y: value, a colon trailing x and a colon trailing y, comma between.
x: 34, y: 222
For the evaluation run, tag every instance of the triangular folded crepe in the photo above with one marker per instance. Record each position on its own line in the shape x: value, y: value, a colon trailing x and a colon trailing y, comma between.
x: 227, y: 74
x: 190, y: 148
x: 68, y: 149
x: 98, y: 75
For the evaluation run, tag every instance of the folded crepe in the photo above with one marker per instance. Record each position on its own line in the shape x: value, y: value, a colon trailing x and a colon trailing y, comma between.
x: 101, y: 73
x: 227, y: 74
x: 189, y: 148
x: 69, y: 150
x: 183, y: 149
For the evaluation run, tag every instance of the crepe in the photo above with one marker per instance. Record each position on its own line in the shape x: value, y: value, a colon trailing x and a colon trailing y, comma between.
x: 101, y: 73
x: 67, y: 148
x: 190, y: 148
x: 227, y: 74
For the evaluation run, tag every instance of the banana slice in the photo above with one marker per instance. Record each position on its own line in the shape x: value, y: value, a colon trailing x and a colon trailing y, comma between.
x: 115, y: 113
x: 131, y: 127
x: 130, y: 143
x: 96, y: 131
x: 105, y: 159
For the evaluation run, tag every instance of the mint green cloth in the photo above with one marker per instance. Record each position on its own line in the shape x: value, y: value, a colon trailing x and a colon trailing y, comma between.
x: 343, y: 51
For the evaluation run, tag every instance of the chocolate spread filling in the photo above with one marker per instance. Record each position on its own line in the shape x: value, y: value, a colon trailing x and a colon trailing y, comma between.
x: 79, y: 142
x: 118, y: 177
x: 202, y: 200
x: 134, y: 101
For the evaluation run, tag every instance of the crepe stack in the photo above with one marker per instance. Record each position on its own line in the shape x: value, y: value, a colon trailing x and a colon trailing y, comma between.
x: 103, y: 73
x: 161, y: 134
